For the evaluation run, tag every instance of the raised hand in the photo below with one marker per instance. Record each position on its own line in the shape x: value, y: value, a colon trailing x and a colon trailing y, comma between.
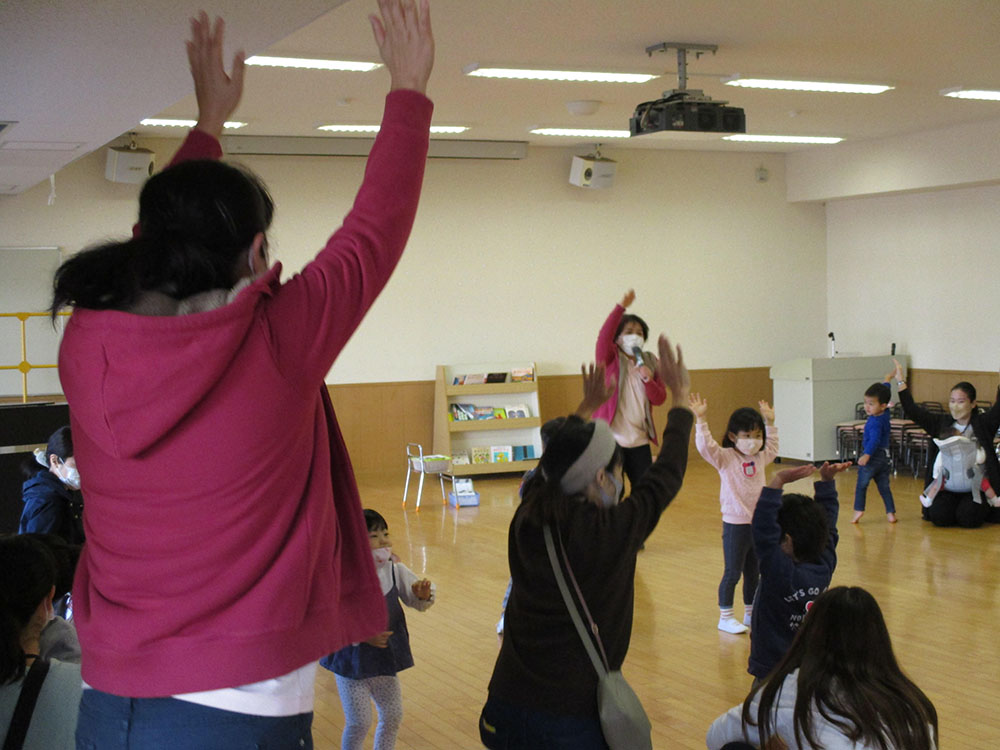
x: 405, y: 42
x: 218, y: 93
x: 828, y: 471
x: 898, y: 374
x: 698, y: 405
x: 595, y: 391
x: 674, y: 373
x: 793, y: 474
x: 628, y: 299
x: 766, y: 411
x: 421, y: 589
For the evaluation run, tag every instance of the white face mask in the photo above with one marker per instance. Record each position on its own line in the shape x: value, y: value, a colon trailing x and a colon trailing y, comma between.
x: 69, y: 476
x: 382, y: 555
x: 630, y: 341
x: 748, y: 446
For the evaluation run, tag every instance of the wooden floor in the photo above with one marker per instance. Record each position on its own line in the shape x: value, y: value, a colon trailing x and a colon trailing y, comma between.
x: 937, y: 588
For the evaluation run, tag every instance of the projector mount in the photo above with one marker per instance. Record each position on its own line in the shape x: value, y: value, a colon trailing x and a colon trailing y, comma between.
x: 682, y: 91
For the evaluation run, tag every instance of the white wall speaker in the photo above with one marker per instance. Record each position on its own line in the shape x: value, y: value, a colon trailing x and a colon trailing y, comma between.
x: 592, y: 172
x: 134, y: 165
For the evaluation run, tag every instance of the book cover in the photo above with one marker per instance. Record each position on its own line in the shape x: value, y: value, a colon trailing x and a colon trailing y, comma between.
x: 463, y: 412
x: 496, y: 377
x: 480, y: 454
x: 463, y: 486
x: 499, y: 412
x: 460, y: 458
x: 518, y: 411
x: 458, y: 380
x: 484, y: 412
x: 475, y: 379
x: 522, y: 374
x: 501, y: 454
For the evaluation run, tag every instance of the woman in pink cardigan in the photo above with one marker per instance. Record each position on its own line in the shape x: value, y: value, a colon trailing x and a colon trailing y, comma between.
x: 226, y: 546
x: 637, y: 386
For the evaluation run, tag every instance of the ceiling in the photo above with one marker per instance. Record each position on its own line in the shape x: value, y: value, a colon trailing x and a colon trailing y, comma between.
x: 82, y: 74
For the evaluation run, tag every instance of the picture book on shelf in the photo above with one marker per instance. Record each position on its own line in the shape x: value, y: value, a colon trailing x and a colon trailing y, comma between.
x: 522, y: 374
x: 480, y: 454
x: 458, y: 380
x: 475, y: 379
x: 484, y: 412
x: 460, y: 458
x: 519, y: 411
x: 496, y: 377
x: 499, y: 412
x: 463, y: 412
x: 501, y: 454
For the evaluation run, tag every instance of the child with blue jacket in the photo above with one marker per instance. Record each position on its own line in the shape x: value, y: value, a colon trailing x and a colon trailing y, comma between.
x: 874, y: 463
x: 795, y: 537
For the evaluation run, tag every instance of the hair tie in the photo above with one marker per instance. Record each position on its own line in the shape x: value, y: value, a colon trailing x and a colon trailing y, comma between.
x: 594, y: 457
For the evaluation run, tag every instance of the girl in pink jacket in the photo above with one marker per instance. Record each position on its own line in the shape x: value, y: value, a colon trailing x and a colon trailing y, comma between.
x: 740, y: 462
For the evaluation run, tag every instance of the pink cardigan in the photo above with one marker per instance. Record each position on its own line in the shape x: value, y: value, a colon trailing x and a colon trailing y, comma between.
x: 225, y: 541
x: 615, y: 364
x: 742, y: 477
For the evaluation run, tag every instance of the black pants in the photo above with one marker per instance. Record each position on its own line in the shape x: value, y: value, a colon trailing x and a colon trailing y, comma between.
x: 637, y: 460
x: 957, y: 509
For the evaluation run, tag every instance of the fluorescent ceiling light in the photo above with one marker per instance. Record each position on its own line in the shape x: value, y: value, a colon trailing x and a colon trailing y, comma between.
x: 582, y: 132
x: 556, y: 75
x: 312, y: 64
x: 823, y: 86
x: 173, y: 122
x: 960, y: 93
x: 781, y: 138
x: 436, y: 129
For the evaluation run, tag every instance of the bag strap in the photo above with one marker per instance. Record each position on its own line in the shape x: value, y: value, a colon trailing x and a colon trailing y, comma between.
x: 550, y: 547
x: 21, y: 720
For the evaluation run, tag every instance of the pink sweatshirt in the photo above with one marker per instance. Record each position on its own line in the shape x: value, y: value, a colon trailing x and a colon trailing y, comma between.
x: 225, y: 540
x: 742, y: 476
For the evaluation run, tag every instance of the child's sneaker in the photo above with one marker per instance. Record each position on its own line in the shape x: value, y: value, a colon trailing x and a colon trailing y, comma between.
x: 731, y: 625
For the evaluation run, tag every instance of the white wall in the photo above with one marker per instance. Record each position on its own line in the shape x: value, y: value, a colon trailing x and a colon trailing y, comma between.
x: 509, y: 261
x: 917, y: 269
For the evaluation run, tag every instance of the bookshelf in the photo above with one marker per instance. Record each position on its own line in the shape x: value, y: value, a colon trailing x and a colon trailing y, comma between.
x: 453, y: 436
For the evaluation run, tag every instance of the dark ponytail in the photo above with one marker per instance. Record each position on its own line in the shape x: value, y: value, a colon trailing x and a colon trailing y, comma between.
x: 29, y: 572
x: 197, y: 219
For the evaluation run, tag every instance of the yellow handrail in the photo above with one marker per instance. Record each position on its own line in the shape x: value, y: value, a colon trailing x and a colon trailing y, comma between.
x: 24, y: 366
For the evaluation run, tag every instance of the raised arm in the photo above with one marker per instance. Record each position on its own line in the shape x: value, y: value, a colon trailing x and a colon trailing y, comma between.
x: 606, y: 351
x: 703, y: 440
x: 312, y: 316
x: 596, y: 390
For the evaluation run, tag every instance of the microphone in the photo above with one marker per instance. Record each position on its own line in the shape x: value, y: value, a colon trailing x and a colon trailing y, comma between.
x: 893, y: 352
x: 637, y: 353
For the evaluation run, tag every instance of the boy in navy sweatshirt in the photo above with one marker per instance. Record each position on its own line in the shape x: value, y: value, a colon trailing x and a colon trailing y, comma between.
x: 795, y: 538
x: 873, y: 463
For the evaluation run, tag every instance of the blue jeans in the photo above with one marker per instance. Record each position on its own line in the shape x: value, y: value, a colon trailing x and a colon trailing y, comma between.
x: 878, y: 469
x: 506, y: 727
x: 109, y: 722
x: 740, y: 559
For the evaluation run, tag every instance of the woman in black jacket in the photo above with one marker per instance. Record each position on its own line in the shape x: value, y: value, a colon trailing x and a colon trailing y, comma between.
x: 950, y: 507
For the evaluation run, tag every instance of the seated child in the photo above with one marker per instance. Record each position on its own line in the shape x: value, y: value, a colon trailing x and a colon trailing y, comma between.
x: 874, y: 463
x: 367, y: 671
x: 839, y: 687
x: 795, y: 538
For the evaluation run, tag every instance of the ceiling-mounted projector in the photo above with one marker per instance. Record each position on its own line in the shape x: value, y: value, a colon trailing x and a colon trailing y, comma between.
x: 684, y: 109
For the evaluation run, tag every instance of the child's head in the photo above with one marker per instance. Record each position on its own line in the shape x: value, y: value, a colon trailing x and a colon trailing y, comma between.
x: 877, y: 399
x: 745, y: 431
x: 631, y: 325
x: 378, y: 529
x: 804, y: 527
